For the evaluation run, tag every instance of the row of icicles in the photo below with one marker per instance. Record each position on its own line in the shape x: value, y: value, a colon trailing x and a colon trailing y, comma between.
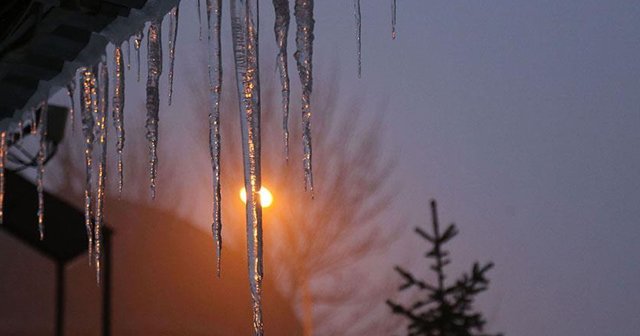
x: 94, y: 103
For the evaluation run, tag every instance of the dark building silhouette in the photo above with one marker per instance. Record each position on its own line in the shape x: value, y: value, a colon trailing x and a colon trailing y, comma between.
x: 164, y: 281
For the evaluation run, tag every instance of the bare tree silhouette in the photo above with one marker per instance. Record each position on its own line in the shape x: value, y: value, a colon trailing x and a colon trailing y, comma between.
x: 313, y: 246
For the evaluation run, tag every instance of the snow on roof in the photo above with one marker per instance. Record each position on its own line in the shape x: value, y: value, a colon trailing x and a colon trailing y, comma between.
x: 47, y: 41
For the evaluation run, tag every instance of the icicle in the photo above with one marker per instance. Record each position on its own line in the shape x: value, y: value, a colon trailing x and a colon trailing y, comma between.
x: 71, y: 89
x: 214, y: 16
x: 42, y: 154
x: 20, y: 129
x: 87, y: 100
x: 281, y: 29
x: 3, y: 156
x: 154, y: 61
x: 356, y: 7
x: 137, y: 43
x: 118, y: 111
x: 34, y: 121
x: 101, y: 133
x: 129, y: 54
x: 173, y: 35
x: 244, y: 26
x: 199, y: 9
x: 304, y: 53
x: 393, y: 19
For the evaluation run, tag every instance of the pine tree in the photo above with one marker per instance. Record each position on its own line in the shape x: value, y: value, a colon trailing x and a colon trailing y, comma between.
x: 443, y: 309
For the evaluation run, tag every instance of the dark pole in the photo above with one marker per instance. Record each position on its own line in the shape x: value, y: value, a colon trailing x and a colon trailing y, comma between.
x: 59, y: 298
x: 106, y: 286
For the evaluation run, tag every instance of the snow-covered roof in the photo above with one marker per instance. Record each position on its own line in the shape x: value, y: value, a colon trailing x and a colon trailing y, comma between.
x: 44, y: 42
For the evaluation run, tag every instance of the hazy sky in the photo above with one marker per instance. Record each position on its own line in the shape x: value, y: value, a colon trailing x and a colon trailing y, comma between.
x: 522, y: 119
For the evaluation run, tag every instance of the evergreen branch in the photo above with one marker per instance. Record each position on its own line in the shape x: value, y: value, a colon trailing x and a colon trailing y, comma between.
x: 411, y: 280
x: 446, y: 310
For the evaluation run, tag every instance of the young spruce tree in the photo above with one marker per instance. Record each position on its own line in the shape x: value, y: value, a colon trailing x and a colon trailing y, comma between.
x: 443, y: 309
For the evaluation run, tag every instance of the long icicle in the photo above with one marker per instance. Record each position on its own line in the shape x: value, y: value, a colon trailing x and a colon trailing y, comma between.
x: 118, y: 112
x: 244, y: 27
x: 42, y: 154
x: 154, y: 64
x: 87, y: 100
x: 71, y: 89
x: 393, y: 19
x: 174, y: 15
x: 137, y: 43
x: 3, y: 157
x: 214, y: 17
x: 101, y: 132
x: 281, y: 30
x: 358, y: 16
x: 304, y: 55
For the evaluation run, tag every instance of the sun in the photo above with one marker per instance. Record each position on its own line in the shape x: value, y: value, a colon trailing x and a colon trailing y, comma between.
x: 265, y: 196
